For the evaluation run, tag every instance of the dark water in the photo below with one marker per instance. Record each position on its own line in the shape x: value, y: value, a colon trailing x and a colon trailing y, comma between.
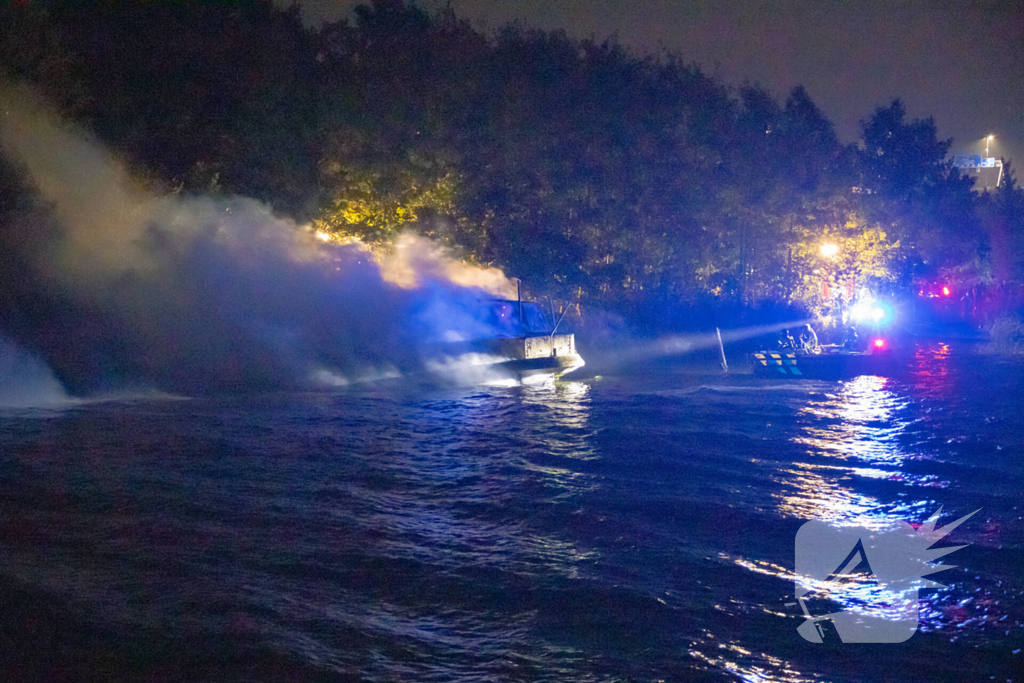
x: 618, y: 529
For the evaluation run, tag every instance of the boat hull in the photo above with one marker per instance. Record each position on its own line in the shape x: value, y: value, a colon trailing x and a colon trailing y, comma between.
x: 532, y: 367
x: 825, y: 366
x: 518, y: 357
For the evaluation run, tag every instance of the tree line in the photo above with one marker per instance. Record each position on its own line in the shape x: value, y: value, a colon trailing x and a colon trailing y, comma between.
x: 635, y: 183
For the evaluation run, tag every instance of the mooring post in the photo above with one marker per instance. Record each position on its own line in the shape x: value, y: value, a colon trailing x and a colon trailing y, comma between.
x: 721, y: 350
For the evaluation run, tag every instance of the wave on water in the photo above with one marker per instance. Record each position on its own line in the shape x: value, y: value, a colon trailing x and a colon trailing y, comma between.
x: 801, y: 387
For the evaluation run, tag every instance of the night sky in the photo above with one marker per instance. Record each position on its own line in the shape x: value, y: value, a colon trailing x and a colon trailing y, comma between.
x: 960, y: 61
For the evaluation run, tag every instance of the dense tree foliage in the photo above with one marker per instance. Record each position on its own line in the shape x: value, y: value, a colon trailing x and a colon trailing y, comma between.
x: 591, y: 172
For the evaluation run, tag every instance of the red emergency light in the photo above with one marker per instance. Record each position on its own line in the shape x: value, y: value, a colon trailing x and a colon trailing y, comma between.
x: 879, y: 344
x: 945, y: 290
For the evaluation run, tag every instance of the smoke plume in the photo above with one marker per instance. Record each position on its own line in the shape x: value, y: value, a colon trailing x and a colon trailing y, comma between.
x: 118, y: 286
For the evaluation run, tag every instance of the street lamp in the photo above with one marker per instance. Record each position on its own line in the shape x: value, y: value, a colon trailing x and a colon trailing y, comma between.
x: 988, y: 140
x: 829, y: 250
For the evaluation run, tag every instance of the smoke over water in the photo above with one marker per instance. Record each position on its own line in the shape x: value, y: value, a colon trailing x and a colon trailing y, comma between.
x: 124, y: 288
x: 25, y: 381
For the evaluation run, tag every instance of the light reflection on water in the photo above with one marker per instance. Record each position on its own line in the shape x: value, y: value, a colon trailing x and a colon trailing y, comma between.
x: 931, y: 366
x: 457, y: 457
x: 853, y: 433
x: 862, y: 422
x: 435, y: 528
x: 814, y: 495
x: 563, y: 441
x: 854, y: 441
x: 581, y: 531
x: 747, y: 665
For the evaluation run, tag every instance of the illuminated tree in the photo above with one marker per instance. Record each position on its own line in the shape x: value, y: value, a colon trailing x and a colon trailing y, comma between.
x: 634, y: 183
x: 833, y: 263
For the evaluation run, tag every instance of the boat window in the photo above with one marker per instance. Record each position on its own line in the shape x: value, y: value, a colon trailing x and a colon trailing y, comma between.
x: 536, y: 320
x: 503, y: 316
